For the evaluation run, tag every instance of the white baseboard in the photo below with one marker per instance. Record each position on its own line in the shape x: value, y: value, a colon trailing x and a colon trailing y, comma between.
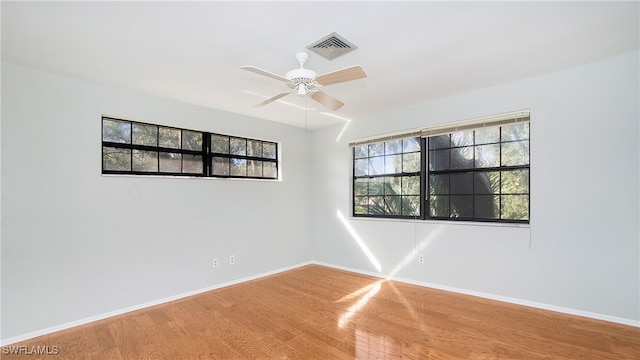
x: 49, y: 330
x: 506, y: 299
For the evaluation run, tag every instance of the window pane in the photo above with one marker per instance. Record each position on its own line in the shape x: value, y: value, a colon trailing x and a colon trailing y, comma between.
x: 439, y: 184
x: 461, y: 183
x: 116, y: 131
x: 393, y: 205
x: 411, y: 162
x: 361, y: 167
x: 169, y: 137
x: 254, y: 148
x: 360, y: 151
x: 487, y: 135
x: 376, y: 186
x: 170, y: 162
x: 515, y: 153
x: 515, y: 132
x: 219, y: 144
x: 376, y: 149
x: 144, y: 134
x: 461, y: 206
x: 488, y: 156
x: 393, y: 147
x: 439, y: 142
x: 116, y: 159
x: 515, y: 207
x: 411, y: 206
x: 411, y: 144
x: 376, y: 165
x: 238, y: 167
x: 411, y: 185
x: 220, y: 166
x: 462, y: 138
x: 361, y: 187
x: 192, y: 164
x: 393, y: 164
x: 238, y: 146
x: 191, y: 140
x: 439, y: 206
x: 269, y: 150
x: 145, y: 160
x: 254, y: 168
x: 486, y: 182
x: 269, y: 170
x: 376, y: 205
x: 393, y: 185
x: 515, y: 182
x: 462, y: 158
x: 361, y: 205
x: 439, y: 159
x: 486, y: 206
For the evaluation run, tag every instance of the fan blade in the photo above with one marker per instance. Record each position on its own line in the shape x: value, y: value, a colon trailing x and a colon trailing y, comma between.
x: 348, y: 74
x: 327, y: 100
x: 273, y: 98
x: 265, y: 73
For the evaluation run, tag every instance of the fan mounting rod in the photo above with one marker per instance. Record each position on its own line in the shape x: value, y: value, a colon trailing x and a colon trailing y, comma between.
x: 302, y: 57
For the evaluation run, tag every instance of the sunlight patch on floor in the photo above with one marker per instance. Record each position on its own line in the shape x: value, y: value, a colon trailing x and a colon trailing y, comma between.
x: 373, y: 290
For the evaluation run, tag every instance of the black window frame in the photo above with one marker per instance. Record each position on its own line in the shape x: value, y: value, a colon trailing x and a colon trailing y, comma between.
x: 247, y: 156
x: 404, y: 198
x: 479, y: 174
x: 426, y: 173
x: 204, y: 153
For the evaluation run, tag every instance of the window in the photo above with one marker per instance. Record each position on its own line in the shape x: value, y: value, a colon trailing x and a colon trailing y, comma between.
x: 130, y: 147
x: 479, y: 173
x: 387, y: 178
x: 240, y: 157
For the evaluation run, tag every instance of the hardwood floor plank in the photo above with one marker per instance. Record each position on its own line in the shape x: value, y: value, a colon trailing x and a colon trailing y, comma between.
x: 316, y: 312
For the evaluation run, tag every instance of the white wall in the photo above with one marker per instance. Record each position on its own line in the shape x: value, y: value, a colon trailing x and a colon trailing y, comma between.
x: 76, y: 244
x: 581, y: 252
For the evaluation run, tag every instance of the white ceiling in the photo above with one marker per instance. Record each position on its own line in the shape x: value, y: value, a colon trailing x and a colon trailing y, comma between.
x: 412, y: 51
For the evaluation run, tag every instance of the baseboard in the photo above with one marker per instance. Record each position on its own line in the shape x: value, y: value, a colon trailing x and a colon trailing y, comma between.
x: 543, y: 306
x: 52, y: 329
x: 533, y: 304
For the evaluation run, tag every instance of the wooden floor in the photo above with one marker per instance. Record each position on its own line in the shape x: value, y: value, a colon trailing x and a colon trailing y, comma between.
x: 315, y: 312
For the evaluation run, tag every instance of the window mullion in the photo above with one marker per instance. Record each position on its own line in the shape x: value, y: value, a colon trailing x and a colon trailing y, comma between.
x: 424, y: 180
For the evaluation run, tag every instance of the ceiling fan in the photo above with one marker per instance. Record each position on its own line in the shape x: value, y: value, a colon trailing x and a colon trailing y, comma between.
x: 307, y: 83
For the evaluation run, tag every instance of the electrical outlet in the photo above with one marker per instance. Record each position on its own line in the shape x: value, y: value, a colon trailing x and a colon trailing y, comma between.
x: 421, y: 259
x: 215, y: 263
x: 232, y: 259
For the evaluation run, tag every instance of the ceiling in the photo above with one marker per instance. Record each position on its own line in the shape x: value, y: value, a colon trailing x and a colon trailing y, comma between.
x: 412, y: 51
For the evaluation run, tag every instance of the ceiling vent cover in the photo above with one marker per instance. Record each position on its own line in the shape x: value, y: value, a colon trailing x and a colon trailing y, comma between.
x: 332, y: 46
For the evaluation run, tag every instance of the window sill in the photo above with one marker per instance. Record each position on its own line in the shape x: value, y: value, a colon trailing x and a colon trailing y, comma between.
x: 444, y: 222
x: 188, y: 177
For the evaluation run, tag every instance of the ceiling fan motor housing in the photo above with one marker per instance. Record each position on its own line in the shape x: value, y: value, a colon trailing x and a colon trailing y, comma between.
x: 304, y: 80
